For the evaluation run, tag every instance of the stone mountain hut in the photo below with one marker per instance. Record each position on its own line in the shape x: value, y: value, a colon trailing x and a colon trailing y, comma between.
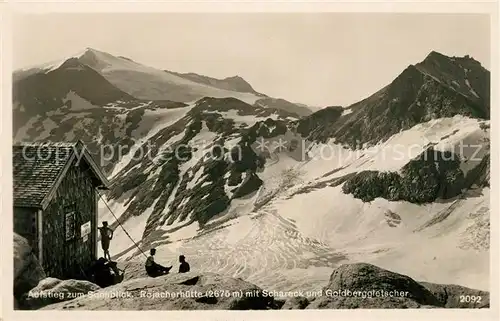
x: 55, y: 205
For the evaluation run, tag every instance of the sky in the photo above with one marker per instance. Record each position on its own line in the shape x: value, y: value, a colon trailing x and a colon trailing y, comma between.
x: 319, y: 59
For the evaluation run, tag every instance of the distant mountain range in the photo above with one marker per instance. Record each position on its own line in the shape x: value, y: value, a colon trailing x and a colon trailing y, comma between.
x: 294, y: 190
x: 147, y: 83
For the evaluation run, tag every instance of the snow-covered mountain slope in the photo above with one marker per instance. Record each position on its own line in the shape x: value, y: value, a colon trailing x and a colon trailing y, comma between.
x: 138, y: 80
x: 149, y: 83
x: 310, y: 203
x: 198, y: 164
x: 299, y: 223
x: 235, y: 83
x: 246, y: 189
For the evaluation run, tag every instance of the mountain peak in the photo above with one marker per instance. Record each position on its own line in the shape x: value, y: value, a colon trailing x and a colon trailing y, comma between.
x: 94, y: 51
x: 435, y: 56
x: 236, y: 77
x: 238, y: 80
x: 99, y: 60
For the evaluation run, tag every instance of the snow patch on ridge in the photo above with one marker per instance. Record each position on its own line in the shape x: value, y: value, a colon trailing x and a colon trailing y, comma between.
x: 165, y: 118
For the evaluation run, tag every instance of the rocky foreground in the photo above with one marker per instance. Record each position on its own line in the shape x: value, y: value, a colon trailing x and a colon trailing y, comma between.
x: 351, y: 286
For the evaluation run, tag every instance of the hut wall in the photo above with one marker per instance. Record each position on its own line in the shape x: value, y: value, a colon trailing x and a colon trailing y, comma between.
x: 70, y: 258
x: 26, y: 226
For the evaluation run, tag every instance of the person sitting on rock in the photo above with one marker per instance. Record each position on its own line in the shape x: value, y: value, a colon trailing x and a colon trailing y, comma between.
x: 101, y: 273
x: 154, y: 269
x: 117, y: 273
x: 184, y: 267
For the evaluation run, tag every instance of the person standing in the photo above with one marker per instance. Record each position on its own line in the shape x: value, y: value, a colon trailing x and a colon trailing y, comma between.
x: 106, y: 237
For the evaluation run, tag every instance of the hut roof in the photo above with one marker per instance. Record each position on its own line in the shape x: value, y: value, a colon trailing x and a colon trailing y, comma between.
x: 38, y: 169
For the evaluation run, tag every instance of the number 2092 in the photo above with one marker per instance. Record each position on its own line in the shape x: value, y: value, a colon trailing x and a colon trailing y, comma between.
x: 470, y: 299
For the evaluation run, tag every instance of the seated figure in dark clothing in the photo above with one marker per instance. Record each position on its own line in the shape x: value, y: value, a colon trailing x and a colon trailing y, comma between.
x: 117, y: 273
x: 184, y: 267
x: 154, y: 269
x: 105, y: 273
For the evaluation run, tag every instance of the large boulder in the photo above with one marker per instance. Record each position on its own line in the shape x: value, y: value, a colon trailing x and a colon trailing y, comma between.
x: 186, y: 291
x: 363, y: 277
x: 362, y: 285
x: 52, y: 290
x: 27, y: 270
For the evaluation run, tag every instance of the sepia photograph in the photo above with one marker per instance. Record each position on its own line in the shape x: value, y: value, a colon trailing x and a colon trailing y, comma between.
x: 251, y: 161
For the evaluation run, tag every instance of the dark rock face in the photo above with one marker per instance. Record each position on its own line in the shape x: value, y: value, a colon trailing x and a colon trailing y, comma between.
x: 314, y: 124
x: 462, y: 74
x: 27, y: 270
x: 431, y: 175
x: 480, y: 174
x: 251, y: 184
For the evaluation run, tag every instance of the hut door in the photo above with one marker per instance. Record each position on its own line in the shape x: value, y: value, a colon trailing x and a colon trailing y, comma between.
x: 70, y: 241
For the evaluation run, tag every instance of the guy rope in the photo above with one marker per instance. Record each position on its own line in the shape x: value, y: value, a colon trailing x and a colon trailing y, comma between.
x: 117, y: 220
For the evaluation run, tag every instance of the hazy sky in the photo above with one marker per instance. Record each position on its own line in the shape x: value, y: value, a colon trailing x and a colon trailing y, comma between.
x: 315, y: 58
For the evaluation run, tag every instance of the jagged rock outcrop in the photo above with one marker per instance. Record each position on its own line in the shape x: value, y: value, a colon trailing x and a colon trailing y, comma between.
x: 309, y: 126
x: 187, y: 291
x: 52, y: 290
x: 27, y: 270
x: 250, y: 184
x: 431, y: 175
x: 462, y: 74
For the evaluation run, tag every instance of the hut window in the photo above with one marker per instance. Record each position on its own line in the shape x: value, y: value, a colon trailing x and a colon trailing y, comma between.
x: 33, y: 224
x: 70, y: 225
